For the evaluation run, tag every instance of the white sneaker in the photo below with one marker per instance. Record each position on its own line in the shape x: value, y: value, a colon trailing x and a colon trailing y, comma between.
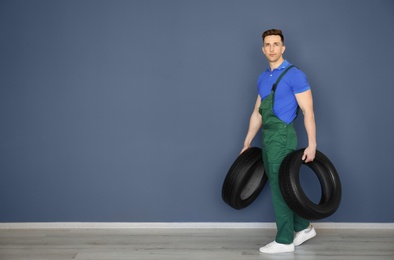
x: 304, y: 235
x: 274, y: 248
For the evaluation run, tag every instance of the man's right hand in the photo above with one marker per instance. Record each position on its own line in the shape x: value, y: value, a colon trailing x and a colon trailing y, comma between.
x: 246, y: 147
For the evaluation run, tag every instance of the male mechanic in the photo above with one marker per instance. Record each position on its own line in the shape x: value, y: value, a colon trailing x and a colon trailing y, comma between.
x: 279, y: 97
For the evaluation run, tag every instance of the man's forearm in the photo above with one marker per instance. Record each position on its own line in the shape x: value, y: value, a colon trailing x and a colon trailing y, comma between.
x: 310, y: 127
x: 254, y: 126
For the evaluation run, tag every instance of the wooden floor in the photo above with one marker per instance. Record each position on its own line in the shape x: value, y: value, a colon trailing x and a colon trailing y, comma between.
x: 184, y: 244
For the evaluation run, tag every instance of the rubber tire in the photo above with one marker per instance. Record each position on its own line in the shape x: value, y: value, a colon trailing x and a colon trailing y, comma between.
x: 295, y: 197
x: 245, y: 179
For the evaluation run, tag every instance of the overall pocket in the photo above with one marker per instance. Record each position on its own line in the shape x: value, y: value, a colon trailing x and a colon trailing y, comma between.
x: 265, y: 105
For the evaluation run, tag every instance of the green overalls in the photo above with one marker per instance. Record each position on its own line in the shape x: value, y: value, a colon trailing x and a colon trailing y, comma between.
x: 279, y: 139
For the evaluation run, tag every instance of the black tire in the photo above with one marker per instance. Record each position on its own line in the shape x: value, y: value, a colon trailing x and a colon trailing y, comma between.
x: 245, y: 179
x: 292, y: 191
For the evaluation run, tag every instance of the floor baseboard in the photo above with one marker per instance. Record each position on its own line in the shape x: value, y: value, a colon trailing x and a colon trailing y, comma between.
x: 199, y: 225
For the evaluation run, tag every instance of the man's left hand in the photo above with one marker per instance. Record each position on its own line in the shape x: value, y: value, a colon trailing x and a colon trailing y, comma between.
x: 309, y: 154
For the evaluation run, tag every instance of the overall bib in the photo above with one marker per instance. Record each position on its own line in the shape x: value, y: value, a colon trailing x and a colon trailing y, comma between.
x: 279, y: 139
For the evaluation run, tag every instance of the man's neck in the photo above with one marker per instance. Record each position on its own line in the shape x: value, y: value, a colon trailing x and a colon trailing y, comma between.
x: 276, y: 64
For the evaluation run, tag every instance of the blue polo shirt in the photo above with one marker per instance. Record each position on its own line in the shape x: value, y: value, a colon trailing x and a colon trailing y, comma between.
x: 294, y: 82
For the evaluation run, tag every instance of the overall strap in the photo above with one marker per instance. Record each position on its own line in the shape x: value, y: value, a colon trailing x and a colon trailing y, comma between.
x: 280, y: 77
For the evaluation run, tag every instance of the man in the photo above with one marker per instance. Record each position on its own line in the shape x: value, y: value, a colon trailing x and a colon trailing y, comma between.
x: 275, y: 110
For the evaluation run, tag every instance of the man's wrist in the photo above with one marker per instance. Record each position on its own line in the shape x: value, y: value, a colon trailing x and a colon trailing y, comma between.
x: 313, y: 145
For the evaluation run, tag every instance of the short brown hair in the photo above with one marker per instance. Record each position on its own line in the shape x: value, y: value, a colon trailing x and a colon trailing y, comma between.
x: 274, y: 32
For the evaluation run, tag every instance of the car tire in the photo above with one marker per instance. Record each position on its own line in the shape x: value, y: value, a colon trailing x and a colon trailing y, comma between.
x: 245, y: 179
x: 295, y: 197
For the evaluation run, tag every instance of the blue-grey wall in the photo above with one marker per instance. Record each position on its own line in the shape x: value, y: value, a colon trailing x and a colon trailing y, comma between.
x: 135, y: 110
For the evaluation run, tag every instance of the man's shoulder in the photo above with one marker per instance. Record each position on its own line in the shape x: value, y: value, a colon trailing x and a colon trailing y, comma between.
x: 296, y: 72
x: 264, y: 74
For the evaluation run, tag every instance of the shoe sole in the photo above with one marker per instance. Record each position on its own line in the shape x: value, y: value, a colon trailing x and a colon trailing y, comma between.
x: 288, y: 251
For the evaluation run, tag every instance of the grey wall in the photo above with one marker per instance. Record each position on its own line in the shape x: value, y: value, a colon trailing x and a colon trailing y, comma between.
x: 135, y: 110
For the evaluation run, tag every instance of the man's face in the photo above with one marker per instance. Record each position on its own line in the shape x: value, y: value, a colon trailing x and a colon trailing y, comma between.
x: 273, y: 48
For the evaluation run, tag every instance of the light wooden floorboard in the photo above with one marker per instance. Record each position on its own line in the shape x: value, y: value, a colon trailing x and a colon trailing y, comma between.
x: 185, y: 244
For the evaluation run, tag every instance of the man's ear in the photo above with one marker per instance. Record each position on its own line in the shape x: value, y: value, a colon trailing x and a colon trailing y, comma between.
x: 283, y: 49
x: 262, y: 49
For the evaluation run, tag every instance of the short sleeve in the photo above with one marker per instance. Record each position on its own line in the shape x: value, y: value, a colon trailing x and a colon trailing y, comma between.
x: 299, y: 82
